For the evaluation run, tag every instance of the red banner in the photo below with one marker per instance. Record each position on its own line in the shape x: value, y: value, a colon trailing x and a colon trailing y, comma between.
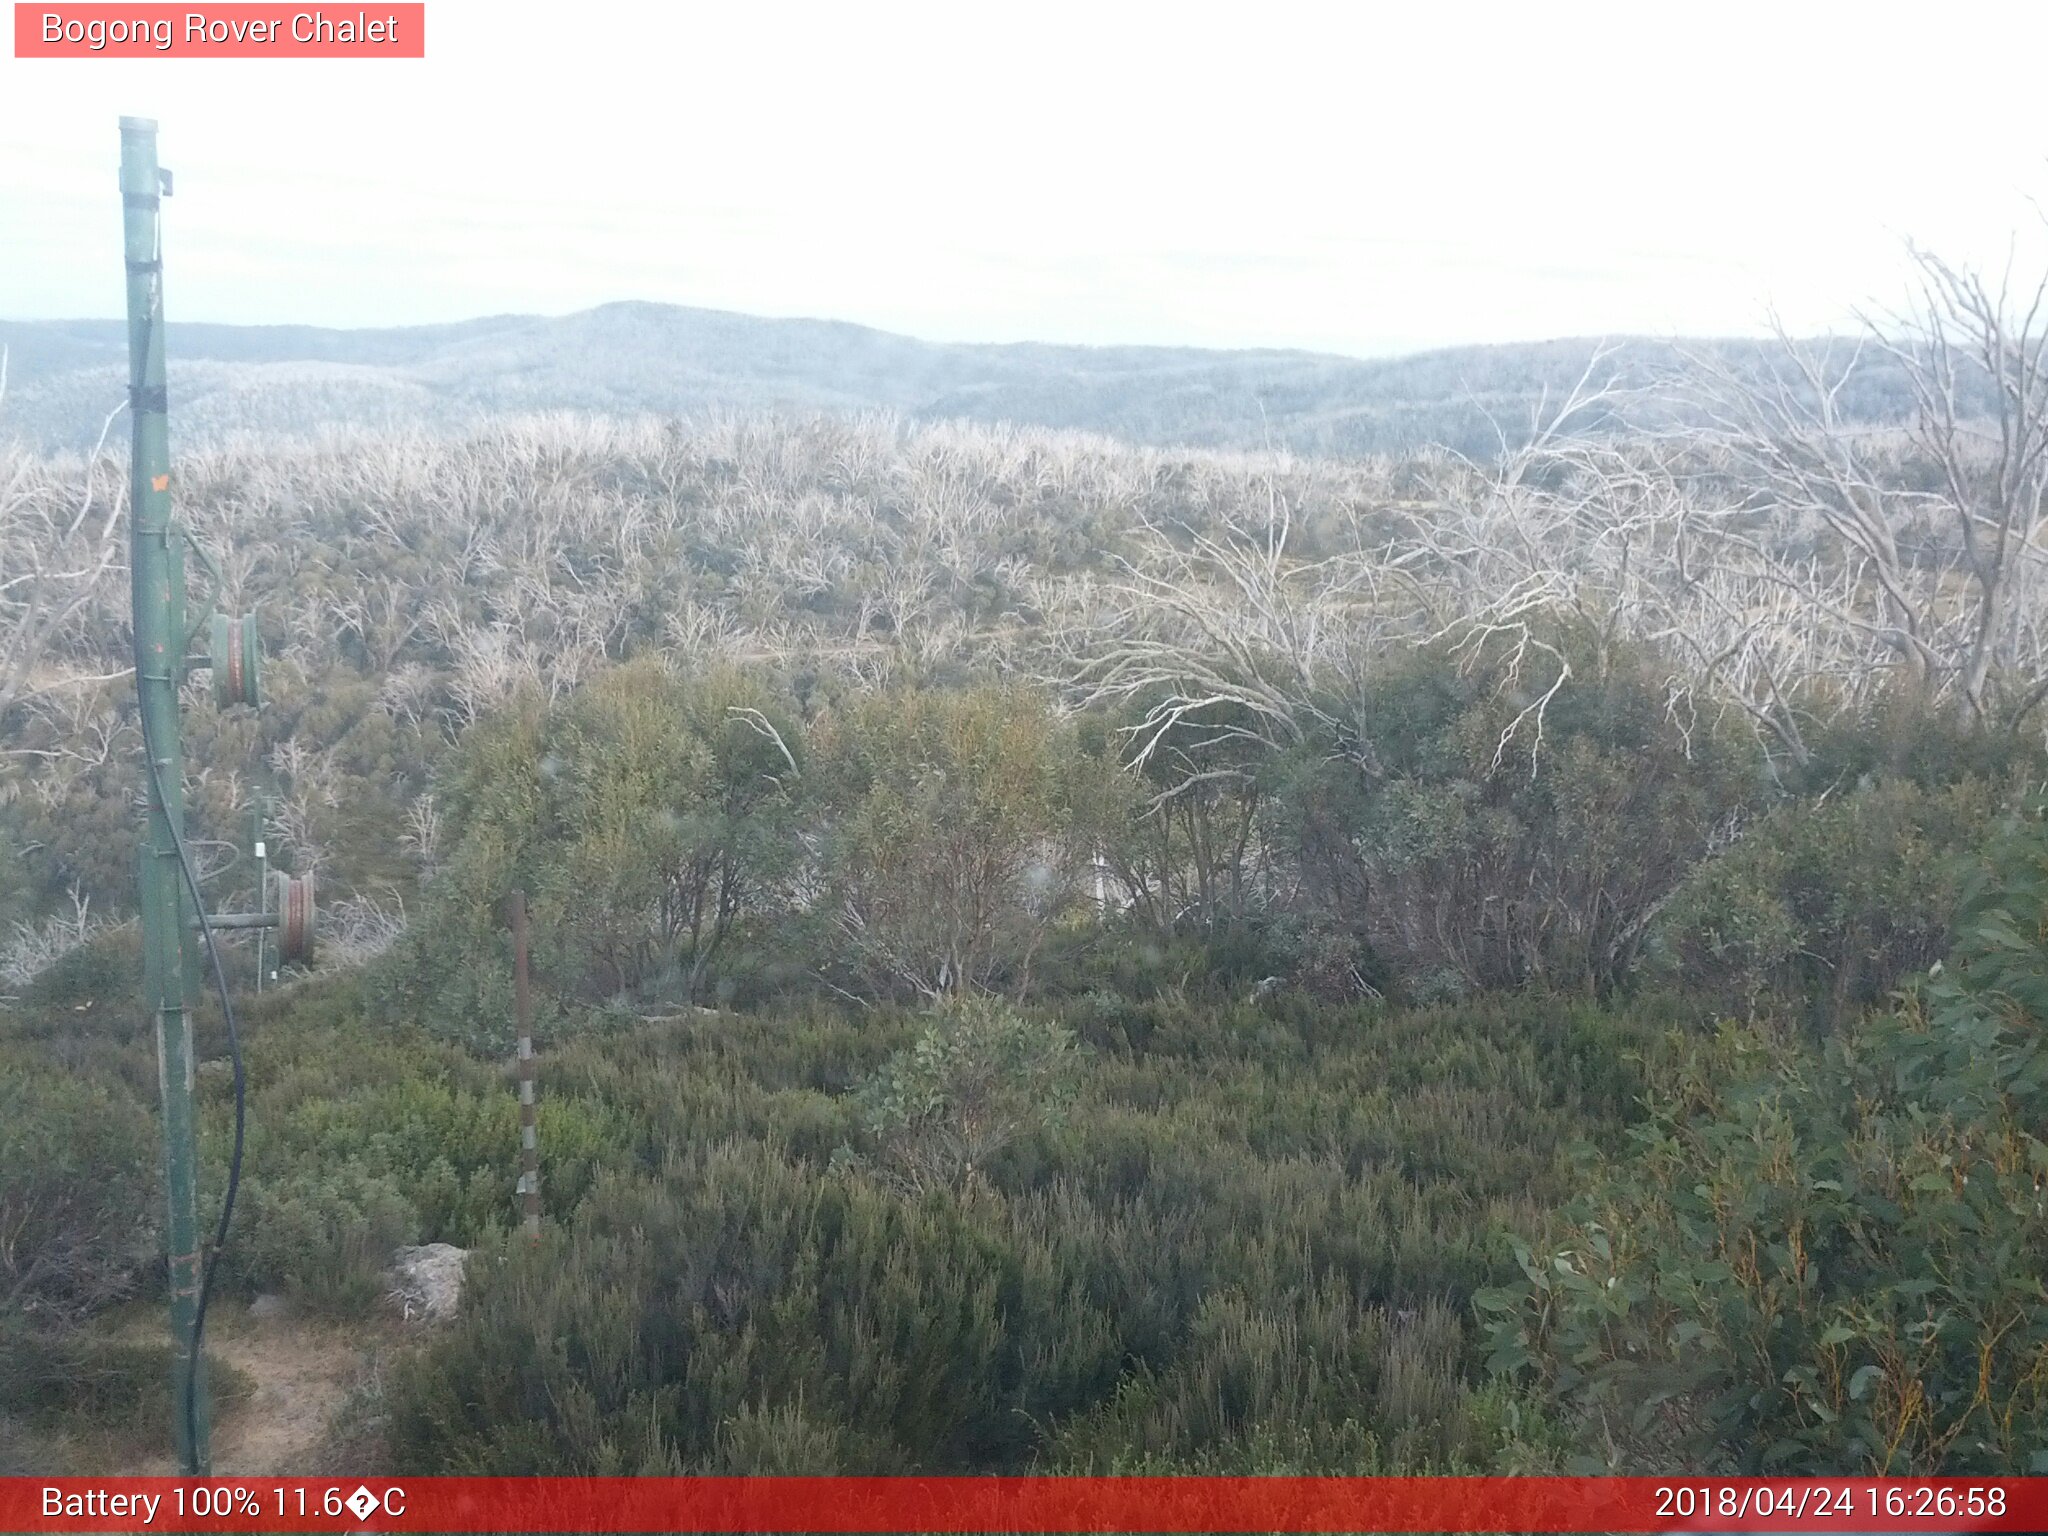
x: 1023, y: 1504
x: 227, y: 31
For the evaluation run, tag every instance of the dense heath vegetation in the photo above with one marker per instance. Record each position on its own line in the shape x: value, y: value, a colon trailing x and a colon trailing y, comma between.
x: 1063, y: 956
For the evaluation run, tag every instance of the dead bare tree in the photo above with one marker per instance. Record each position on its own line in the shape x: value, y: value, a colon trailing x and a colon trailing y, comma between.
x: 1860, y: 557
x: 1792, y: 560
x: 57, y: 545
x: 1230, y: 636
x: 1971, y: 339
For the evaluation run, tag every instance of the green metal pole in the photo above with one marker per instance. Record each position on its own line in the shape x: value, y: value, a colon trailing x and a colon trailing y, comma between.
x: 158, y: 572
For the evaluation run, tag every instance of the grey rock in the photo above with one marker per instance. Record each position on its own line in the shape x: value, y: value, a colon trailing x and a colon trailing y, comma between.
x: 426, y: 1282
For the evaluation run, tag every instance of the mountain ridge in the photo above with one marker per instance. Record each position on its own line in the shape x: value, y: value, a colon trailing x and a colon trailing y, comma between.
x: 636, y: 357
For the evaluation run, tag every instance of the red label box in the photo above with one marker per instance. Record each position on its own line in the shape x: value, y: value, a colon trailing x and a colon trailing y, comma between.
x: 227, y: 31
x: 960, y: 1506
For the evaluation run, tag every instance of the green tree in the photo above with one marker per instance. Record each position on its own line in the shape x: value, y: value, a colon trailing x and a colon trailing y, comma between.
x: 646, y: 815
x: 1178, y: 834
x: 673, y: 805
x: 1476, y: 835
x: 954, y: 835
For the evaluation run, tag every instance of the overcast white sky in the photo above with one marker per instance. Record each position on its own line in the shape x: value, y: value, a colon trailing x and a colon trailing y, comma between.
x: 1357, y: 177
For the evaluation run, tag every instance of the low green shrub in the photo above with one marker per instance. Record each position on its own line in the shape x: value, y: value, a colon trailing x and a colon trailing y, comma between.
x: 322, y: 1238
x: 970, y: 1083
x: 78, y: 1389
x: 1825, y: 1259
x: 1286, y: 1203
x: 78, y: 1190
x: 92, y: 987
x: 1826, y: 908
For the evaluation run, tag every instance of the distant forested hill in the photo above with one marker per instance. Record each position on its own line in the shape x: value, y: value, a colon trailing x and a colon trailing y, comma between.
x: 275, y: 382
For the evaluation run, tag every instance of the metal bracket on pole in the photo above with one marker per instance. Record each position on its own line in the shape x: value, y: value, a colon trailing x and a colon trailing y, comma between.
x: 288, y: 907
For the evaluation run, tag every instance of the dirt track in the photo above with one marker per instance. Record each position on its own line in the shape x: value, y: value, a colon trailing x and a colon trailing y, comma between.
x: 302, y: 1373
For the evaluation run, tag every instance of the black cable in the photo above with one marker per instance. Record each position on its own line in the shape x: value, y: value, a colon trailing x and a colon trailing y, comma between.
x: 220, y: 977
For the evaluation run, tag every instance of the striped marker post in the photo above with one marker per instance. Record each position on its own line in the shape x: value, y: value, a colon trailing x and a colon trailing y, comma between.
x: 529, y: 1137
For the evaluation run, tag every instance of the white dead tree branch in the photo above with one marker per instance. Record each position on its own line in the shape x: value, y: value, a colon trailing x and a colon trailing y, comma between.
x: 34, y: 947
x: 58, y: 542
x: 1229, y: 637
x: 1792, y: 562
x: 1816, y: 562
